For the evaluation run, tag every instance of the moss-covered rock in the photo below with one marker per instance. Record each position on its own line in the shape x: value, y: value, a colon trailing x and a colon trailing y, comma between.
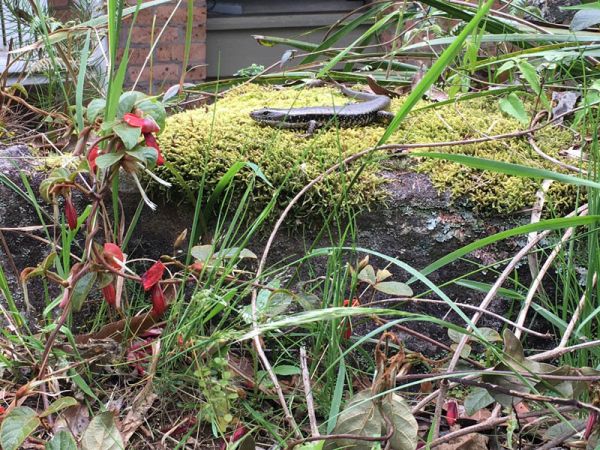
x: 208, y: 141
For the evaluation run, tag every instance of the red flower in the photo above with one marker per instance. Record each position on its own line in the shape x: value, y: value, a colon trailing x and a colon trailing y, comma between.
x: 147, y: 124
x: 92, y: 155
x: 590, y: 424
x: 153, y: 275
x: 151, y: 142
x: 110, y: 295
x: 159, y: 304
x: 113, y: 254
x: 451, y: 412
x: 346, y: 323
x: 70, y: 213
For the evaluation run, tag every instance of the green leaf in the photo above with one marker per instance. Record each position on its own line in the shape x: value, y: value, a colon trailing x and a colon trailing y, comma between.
x: 368, y: 275
x: 235, y: 252
x: 477, y: 399
x: 394, y: 288
x: 95, y: 108
x: 129, y: 135
x: 104, y: 161
x: 277, y: 303
x: 286, y: 370
x: 58, y: 405
x: 361, y: 417
x: 63, y: 440
x: 436, y: 70
x: 513, y: 106
x: 82, y: 290
x: 102, y: 434
x: 531, y: 75
x: 154, y: 109
x: 202, y: 252
x: 17, y: 426
x: 405, y: 425
x: 127, y: 101
x: 146, y: 155
x: 515, y: 170
x: 585, y: 18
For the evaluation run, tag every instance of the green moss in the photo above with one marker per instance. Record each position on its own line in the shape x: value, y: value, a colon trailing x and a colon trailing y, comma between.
x: 209, y: 140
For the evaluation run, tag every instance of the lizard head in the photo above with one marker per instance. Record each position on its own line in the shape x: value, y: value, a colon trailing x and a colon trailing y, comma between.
x: 269, y: 115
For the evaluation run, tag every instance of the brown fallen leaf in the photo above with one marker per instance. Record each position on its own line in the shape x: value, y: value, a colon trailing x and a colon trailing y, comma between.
x: 136, y: 415
x: 120, y: 330
x: 472, y: 441
x: 380, y: 90
x: 74, y: 419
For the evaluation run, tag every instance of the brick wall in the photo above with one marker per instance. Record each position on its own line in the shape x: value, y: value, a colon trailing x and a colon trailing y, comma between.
x: 166, y: 65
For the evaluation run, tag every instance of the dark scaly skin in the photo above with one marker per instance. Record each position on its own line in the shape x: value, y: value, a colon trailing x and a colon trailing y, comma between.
x: 371, y: 109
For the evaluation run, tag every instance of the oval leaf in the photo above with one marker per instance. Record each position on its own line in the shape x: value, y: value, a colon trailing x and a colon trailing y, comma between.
x: 104, y: 161
x: 17, y: 426
x: 129, y: 135
x: 102, y: 434
x: 59, y: 405
x: 82, y: 290
x: 513, y: 106
x: 584, y: 19
x: 394, y: 288
x: 63, y: 440
x: 361, y: 417
x: 478, y: 399
x: 397, y: 410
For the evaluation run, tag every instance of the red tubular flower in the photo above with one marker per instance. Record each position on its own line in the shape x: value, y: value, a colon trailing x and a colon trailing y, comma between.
x: 70, y: 213
x: 590, y: 424
x: 113, y: 254
x: 151, y: 142
x: 159, y: 304
x: 451, y: 412
x: 150, y: 125
x: 110, y: 294
x: 92, y: 155
x: 147, y: 124
x: 239, y: 433
x: 153, y: 275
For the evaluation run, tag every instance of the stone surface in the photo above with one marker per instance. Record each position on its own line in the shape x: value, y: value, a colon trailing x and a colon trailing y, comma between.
x: 551, y: 10
x: 416, y: 225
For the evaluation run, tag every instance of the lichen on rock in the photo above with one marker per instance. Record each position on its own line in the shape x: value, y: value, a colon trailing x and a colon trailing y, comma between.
x: 208, y: 141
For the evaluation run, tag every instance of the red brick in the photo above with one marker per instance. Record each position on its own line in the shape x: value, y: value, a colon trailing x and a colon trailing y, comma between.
x: 199, y: 33
x: 165, y: 53
x: 142, y: 35
x: 197, y: 73
x: 160, y: 73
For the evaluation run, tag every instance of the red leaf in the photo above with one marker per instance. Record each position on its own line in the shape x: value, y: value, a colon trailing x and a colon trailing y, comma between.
x: 112, y: 254
x: 153, y: 275
x: 159, y: 305
x: 151, y: 142
x: 451, y: 412
x: 92, y: 155
x: 110, y: 294
x: 70, y: 213
x: 133, y: 121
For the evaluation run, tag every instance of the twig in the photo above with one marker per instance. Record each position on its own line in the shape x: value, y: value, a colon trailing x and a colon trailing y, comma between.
x: 536, y: 215
x: 562, y: 437
x: 555, y: 353
x: 542, y: 272
x: 553, y: 160
x: 314, y: 428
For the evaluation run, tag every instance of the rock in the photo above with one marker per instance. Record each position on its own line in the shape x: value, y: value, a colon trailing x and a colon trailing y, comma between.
x: 416, y: 224
x: 552, y: 12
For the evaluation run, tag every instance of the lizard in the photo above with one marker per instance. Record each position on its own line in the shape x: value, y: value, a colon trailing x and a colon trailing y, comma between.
x: 371, y: 108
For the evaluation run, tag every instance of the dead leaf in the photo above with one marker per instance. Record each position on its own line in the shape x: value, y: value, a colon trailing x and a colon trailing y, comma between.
x: 135, y: 416
x: 74, y: 419
x: 564, y: 102
x: 472, y: 441
x: 380, y: 90
x: 115, y: 330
